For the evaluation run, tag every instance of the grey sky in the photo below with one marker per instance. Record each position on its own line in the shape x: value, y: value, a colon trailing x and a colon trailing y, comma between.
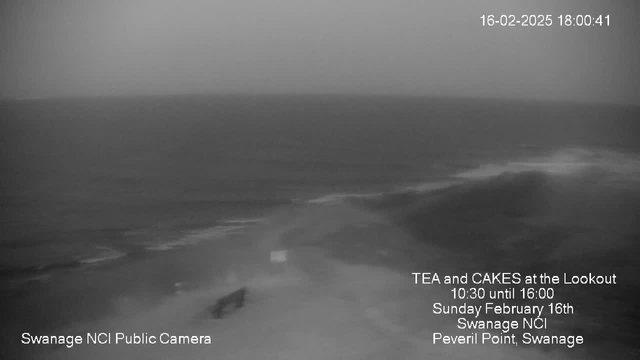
x: 417, y: 47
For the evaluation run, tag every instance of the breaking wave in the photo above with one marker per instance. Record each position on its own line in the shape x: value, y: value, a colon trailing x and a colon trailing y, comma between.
x: 195, y: 237
x: 106, y: 254
x: 335, y: 199
x: 102, y: 255
x: 563, y: 162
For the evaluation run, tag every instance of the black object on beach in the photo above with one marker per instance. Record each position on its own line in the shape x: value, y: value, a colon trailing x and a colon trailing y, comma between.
x: 236, y: 297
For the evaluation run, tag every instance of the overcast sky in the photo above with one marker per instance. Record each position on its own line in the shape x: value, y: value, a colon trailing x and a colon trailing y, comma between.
x: 415, y: 47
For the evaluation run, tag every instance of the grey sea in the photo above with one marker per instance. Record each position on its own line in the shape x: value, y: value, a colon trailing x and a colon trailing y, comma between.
x: 109, y: 202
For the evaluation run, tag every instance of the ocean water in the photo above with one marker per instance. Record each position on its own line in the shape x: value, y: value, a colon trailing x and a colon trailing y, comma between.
x: 105, y: 197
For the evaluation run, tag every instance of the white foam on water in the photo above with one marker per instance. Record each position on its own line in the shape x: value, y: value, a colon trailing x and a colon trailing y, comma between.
x: 562, y: 162
x: 195, y: 237
x: 107, y: 254
x: 31, y: 279
x: 429, y: 186
x: 250, y: 221
x: 339, y: 198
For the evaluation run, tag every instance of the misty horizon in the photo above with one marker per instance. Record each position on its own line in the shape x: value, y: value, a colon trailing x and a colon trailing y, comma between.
x: 268, y: 95
x: 76, y: 48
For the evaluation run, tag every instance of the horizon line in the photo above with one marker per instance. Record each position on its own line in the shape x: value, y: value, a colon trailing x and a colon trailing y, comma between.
x: 311, y: 94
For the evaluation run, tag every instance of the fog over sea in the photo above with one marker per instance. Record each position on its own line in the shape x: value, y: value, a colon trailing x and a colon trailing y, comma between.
x: 114, y: 204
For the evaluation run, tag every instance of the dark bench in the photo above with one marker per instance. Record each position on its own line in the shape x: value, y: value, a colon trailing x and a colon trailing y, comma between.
x: 237, y: 297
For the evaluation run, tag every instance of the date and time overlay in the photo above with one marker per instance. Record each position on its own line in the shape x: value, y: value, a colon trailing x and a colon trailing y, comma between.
x: 561, y: 20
